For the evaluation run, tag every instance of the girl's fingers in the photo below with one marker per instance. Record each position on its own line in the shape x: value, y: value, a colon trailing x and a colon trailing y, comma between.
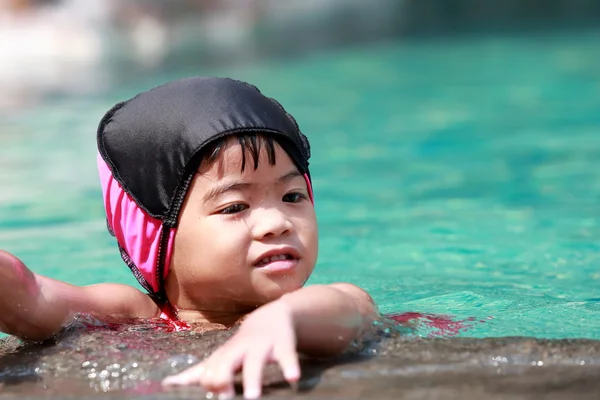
x: 287, y: 358
x: 214, y: 373
x: 220, y: 378
x: 190, y: 376
x: 252, y: 372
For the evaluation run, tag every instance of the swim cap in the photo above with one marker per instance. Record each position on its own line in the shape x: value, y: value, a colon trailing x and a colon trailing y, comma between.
x: 149, y: 148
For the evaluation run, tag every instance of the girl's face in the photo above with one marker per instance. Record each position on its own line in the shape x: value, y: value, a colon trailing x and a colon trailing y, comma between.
x: 244, y: 238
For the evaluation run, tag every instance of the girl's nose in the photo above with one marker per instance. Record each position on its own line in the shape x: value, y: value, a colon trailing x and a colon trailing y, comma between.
x: 271, y: 222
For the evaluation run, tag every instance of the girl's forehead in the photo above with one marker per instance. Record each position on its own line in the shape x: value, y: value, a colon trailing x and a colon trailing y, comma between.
x: 233, y: 160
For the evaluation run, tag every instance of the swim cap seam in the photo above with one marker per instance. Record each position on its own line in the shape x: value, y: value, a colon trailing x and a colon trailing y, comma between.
x: 305, y: 145
x: 161, y: 260
x: 134, y: 269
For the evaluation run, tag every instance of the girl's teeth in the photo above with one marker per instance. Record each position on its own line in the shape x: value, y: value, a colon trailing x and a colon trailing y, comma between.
x: 273, y: 258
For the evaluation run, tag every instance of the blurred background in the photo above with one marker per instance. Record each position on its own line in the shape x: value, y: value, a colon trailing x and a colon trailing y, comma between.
x: 455, y: 143
x: 57, y: 47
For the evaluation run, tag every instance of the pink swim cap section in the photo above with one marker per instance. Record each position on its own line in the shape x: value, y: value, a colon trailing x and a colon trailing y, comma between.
x: 136, y: 232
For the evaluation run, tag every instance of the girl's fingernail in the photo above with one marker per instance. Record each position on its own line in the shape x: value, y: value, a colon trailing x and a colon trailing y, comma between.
x: 251, y: 393
x: 291, y: 374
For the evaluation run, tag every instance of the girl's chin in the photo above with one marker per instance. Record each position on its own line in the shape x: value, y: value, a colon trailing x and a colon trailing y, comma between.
x: 278, y: 287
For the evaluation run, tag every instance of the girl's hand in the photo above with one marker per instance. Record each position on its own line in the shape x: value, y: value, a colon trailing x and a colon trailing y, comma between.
x: 267, y: 335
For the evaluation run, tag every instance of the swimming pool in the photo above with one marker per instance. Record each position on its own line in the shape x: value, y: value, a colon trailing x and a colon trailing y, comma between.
x: 455, y: 177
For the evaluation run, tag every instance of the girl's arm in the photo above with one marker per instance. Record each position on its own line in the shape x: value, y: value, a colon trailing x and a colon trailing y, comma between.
x: 34, y: 307
x: 320, y: 320
x: 327, y: 318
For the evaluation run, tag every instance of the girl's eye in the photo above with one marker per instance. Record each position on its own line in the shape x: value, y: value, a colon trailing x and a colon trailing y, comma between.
x: 234, y: 209
x: 294, y: 197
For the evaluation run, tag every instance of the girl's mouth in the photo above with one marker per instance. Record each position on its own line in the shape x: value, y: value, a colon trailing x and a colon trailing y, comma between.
x: 275, y: 258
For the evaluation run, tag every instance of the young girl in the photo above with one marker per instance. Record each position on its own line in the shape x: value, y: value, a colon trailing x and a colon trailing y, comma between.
x: 207, y: 190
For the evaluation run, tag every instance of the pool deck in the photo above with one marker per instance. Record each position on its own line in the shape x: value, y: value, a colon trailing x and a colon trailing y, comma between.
x: 124, y: 364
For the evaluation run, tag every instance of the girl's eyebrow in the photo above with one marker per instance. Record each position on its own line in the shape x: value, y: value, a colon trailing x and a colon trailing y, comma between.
x: 289, y: 176
x: 236, y: 186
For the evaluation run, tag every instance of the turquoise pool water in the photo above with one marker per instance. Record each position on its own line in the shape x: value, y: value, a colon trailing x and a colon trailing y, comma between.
x: 457, y: 177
